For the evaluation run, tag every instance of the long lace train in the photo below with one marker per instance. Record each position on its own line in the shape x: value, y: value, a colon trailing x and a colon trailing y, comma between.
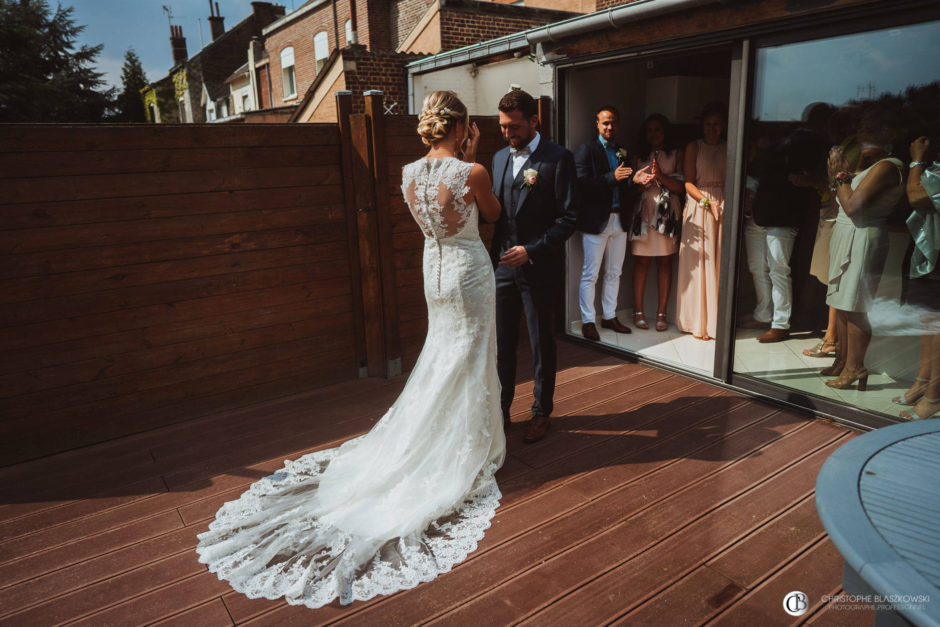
x: 411, y: 498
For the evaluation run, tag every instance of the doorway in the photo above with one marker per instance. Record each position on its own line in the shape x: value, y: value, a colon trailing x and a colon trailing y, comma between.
x: 676, y: 86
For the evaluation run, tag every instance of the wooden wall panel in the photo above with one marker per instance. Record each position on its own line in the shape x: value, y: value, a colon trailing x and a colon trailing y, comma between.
x: 153, y: 274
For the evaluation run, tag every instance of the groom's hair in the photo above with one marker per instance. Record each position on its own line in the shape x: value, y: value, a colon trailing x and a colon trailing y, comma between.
x: 609, y: 108
x: 519, y: 100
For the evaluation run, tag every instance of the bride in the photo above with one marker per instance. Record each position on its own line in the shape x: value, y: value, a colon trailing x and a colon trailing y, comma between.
x: 411, y: 498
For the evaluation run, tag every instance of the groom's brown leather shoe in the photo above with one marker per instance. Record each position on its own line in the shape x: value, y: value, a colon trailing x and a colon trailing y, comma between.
x: 615, y: 325
x: 536, y: 429
x: 589, y: 331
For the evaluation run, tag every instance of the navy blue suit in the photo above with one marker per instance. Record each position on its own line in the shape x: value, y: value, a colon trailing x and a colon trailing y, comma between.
x: 596, y: 184
x: 540, y: 218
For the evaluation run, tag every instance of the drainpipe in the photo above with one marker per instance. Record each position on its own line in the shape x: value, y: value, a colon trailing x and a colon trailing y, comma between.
x: 335, y: 26
x: 353, y: 23
x: 612, y: 17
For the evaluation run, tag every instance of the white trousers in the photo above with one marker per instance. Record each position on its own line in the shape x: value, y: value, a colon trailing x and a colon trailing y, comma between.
x: 768, y: 259
x: 610, y: 246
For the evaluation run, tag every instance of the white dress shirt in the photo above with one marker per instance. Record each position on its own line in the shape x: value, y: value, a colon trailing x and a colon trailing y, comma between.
x: 519, y: 160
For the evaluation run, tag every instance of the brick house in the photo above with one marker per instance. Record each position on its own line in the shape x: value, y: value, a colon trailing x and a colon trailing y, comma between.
x: 389, y: 34
x: 195, y: 88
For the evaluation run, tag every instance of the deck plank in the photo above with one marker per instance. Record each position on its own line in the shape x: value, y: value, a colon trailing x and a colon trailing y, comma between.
x: 813, y: 573
x: 211, y: 614
x: 562, y: 591
x: 566, y: 532
x: 654, y: 498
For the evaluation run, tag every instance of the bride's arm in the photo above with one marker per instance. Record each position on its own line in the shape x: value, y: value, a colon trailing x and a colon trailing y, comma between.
x: 482, y: 191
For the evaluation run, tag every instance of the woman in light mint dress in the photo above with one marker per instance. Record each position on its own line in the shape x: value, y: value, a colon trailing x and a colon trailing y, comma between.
x: 922, y: 287
x: 858, y: 250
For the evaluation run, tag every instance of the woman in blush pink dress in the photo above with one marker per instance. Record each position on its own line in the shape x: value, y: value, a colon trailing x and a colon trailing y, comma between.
x: 700, y: 245
x: 653, y: 234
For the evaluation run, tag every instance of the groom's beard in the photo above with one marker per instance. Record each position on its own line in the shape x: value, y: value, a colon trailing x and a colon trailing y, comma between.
x: 519, y: 142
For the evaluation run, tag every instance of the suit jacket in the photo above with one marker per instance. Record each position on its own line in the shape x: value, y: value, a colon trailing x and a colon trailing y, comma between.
x: 596, y: 184
x: 545, y: 214
x: 777, y: 202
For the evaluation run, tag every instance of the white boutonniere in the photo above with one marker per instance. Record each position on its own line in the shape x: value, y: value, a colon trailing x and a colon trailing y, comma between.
x: 621, y: 154
x: 530, y: 177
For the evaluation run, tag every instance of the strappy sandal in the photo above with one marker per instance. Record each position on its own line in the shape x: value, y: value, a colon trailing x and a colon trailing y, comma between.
x: 910, y: 414
x: 820, y: 350
x: 901, y: 399
x: 661, y: 324
x: 639, y: 320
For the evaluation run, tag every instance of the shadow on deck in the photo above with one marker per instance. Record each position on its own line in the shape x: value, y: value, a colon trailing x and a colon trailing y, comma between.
x: 654, y: 500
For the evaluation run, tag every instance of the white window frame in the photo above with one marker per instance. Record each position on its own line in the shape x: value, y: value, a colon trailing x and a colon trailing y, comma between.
x: 288, y: 77
x: 321, y: 49
x: 348, y: 28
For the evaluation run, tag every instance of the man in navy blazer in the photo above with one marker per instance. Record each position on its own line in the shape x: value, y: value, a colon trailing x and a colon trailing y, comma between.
x: 605, y: 211
x: 533, y: 179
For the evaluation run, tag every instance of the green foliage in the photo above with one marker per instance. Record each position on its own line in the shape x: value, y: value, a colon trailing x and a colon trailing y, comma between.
x: 43, y: 78
x: 130, y: 104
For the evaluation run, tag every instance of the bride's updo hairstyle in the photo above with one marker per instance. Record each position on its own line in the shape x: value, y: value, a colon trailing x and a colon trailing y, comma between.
x: 440, y: 113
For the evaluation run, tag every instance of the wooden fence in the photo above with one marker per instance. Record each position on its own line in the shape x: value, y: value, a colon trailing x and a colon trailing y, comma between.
x: 154, y: 274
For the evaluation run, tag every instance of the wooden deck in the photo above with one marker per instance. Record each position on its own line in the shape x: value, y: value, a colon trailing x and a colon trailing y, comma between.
x: 654, y: 500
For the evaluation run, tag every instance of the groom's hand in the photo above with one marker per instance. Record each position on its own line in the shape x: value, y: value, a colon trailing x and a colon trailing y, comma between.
x: 514, y: 257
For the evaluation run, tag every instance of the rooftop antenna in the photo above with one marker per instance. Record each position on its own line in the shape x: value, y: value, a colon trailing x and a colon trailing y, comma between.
x: 169, y: 14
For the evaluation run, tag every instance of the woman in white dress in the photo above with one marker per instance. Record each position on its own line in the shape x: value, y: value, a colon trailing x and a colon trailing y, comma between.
x: 411, y: 498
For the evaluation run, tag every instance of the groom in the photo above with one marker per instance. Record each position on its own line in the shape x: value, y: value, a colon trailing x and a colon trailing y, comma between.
x: 533, y: 179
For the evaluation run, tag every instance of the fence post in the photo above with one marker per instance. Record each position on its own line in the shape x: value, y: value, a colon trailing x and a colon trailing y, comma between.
x: 343, y: 111
x: 545, y: 117
x: 375, y: 111
x: 363, y: 192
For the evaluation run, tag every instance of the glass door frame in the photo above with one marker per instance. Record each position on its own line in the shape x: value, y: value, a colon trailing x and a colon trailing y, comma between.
x: 875, y: 18
x: 738, y: 72
x: 744, y: 44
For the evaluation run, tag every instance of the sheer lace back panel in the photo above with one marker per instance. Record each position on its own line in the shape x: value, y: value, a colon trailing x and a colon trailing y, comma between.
x: 437, y: 194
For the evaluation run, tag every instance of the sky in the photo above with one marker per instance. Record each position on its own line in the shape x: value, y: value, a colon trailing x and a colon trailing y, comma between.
x: 143, y: 26
x: 789, y: 76
x: 846, y: 68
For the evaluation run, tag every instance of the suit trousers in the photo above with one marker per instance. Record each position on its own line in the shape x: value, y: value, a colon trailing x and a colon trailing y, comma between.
x: 609, y: 246
x: 768, y: 259
x: 515, y: 295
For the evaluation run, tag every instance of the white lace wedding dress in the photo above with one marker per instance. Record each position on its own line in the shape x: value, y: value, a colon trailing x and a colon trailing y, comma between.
x: 411, y: 498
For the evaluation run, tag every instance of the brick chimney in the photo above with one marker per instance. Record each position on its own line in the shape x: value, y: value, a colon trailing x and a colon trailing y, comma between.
x: 178, y: 45
x: 216, y: 21
x: 265, y: 13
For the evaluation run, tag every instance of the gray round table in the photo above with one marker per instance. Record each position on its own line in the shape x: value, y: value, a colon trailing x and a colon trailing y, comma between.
x: 878, y: 497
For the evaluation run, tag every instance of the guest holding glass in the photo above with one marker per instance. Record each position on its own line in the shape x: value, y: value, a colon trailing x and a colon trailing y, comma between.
x: 699, y: 249
x: 922, y: 287
x: 656, y: 217
x: 859, y: 246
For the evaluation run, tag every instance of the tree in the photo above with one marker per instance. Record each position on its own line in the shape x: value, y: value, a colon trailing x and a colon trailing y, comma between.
x: 130, y: 106
x: 43, y: 78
